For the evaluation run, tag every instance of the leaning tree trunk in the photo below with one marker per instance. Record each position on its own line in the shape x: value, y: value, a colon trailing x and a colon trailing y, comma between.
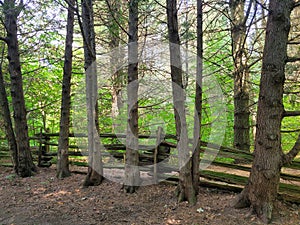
x: 25, y: 162
x: 185, y: 186
x: 63, y: 142
x: 262, y: 187
x: 241, y: 75
x: 95, y: 167
x: 132, y: 173
x: 198, y: 99
x: 8, y: 126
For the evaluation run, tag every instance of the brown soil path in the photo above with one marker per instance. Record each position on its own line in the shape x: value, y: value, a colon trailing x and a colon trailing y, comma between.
x: 43, y: 199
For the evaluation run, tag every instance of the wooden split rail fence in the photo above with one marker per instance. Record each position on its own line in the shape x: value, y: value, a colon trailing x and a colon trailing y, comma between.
x: 219, y: 174
x: 112, y: 146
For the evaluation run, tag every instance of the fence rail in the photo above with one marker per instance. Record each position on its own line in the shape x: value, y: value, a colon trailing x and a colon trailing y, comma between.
x: 232, y: 176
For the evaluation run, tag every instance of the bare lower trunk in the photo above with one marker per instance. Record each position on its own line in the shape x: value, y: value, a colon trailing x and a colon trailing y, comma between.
x: 185, y: 186
x: 63, y: 142
x: 132, y: 173
x: 25, y: 162
x: 95, y: 169
x: 198, y: 100
x: 8, y: 126
x: 241, y: 75
x: 261, y: 190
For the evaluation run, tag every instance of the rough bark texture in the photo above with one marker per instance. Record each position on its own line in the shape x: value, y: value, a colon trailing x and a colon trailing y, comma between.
x: 185, y: 186
x: 261, y: 190
x: 8, y: 126
x: 25, y: 162
x: 95, y: 168
x: 241, y: 75
x: 198, y: 99
x: 63, y: 142
x: 132, y: 173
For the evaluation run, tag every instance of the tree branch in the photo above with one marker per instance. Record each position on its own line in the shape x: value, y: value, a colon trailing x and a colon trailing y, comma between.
x: 161, y: 5
x: 254, y: 62
x: 114, y: 18
x: 288, y: 158
x: 296, y: 4
x: 291, y: 92
x: 292, y: 59
x: 4, y: 39
x: 262, y: 5
x: 42, y: 107
x: 291, y: 113
x: 293, y: 43
x: 290, y: 131
x: 247, y: 14
x: 2, y: 56
x: 73, y: 7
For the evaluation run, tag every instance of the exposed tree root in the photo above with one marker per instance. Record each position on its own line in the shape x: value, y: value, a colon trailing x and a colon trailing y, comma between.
x: 92, y: 179
x: 241, y: 201
x: 262, y: 210
x: 130, y: 189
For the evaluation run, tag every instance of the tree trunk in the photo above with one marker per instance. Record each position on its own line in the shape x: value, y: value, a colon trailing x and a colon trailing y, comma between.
x: 63, y: 142
x: 95, y: 168
x: 25, y: 162
x: 115, y: 13
x: 8, y: 126
x: 185, y: 187
x: 132, y: 173
x: 262, y: 187
x: 198, y: 99
x: 241, y: 75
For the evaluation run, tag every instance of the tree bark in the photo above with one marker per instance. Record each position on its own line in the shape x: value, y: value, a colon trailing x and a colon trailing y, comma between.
x: 132, y: 173
x: 185, y: 186
x: 262, y: 187
x: 198, y: 99
x: 63, y: 142
x: 241, y: 75
x: 95, y: 168
x: 25, y: 162
x: 8, y: 126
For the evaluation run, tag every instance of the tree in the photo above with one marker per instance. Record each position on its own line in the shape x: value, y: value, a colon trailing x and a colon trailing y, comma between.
x: 11, y: 12
x: 198, y: 98
x: 241, y: 74
x: 63, y: 142
x: 261, y: 190
x: 5, y: 111
x: 95, y: 168
x: 185, y: 189
x: 114, y: 29
x: 132, y: 173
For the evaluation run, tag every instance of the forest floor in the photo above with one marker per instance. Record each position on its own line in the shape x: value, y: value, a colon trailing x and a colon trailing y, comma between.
x: 43, y: 199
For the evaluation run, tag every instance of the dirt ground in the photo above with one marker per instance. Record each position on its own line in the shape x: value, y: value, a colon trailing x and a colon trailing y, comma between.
x: 45, y: 200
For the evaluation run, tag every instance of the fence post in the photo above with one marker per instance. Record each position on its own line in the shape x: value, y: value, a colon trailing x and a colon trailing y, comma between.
x: 158, y: 140
x: 47, y: 140
x: 40, y: 152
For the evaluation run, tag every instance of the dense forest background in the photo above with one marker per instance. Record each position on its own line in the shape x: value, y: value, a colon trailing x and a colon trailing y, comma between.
x: 41, y: 40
